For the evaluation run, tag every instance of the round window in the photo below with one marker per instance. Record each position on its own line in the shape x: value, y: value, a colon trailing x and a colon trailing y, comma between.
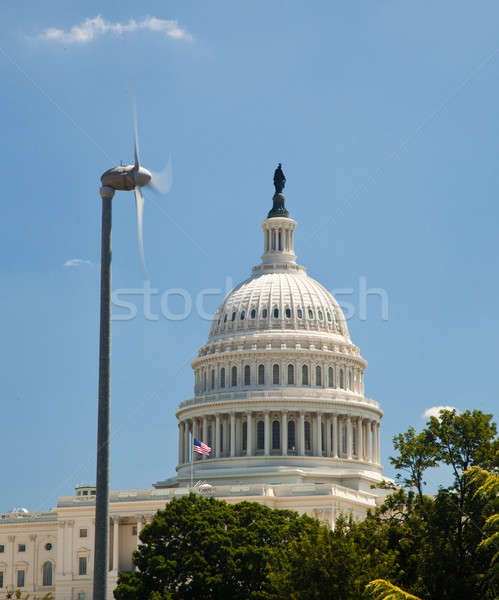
x: 48, y: 546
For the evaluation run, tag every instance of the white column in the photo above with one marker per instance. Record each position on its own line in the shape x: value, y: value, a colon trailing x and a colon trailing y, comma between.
x: 319, y: 434
x: 249, y: 433
x: 266, y: 420
x: 181, y: 442
x: 301, y: 435
x: 217, y: 436
x: 328, y: 434
x: 59, y: 565
x: 205, y: 433
x: 378, y: 426
x: 68, y: 554
x: 233, y: 434
x: 187, y: 450
x: 239, y: 435
x: 284, y: 432
x: 360, y: 439
x: 12, y: 567
x: 195, y: 434
x: 226, y: 435
x: 335, y: 436
x: 349, y: 437
x: 34, y: 544
x: 116, y: 542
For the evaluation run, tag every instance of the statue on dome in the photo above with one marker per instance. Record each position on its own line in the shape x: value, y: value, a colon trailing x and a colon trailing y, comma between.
x: 279, y: 179
x: 278, y: 208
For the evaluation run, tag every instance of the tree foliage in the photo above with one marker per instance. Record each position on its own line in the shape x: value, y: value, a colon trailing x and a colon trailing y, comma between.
x: 441, y: 547
x: 379, y: 589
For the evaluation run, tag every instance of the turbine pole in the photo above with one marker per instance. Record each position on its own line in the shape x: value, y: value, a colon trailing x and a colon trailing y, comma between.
x: 101, y: 548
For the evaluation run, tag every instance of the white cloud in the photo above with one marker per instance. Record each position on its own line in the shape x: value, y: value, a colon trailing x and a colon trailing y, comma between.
x: 434, y: 411
x: 90, y: 29
x: 77, y: 262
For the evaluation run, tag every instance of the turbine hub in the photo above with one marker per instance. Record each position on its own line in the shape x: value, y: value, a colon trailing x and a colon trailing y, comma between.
x: 142, y: 176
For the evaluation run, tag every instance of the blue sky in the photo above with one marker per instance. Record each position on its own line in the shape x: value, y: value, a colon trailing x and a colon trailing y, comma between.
x: 385, y: 117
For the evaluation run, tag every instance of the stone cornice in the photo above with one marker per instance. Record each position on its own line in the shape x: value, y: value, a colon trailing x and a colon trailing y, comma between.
x: 349, y: 404
x: 268, y: 354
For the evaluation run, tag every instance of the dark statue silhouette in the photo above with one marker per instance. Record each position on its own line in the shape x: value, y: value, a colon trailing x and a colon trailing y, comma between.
x: 279, y: 179
x: 278, y: 208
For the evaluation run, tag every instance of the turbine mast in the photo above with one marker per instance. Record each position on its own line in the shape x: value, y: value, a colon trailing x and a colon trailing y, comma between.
x: 101, y: 548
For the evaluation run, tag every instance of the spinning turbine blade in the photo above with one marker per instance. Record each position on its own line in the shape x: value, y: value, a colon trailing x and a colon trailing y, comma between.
x: 162, y: 181
x: 139, y: 203
x: 135, y: 134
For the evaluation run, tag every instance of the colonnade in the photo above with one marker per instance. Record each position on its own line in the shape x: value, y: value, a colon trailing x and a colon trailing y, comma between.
x: 281, y: 433
x: 316, y: 374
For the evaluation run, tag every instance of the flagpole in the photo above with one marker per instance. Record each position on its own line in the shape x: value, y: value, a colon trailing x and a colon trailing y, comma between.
x: 192, y: 463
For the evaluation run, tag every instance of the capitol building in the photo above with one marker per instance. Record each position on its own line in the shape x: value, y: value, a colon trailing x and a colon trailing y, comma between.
x: 279, y: 399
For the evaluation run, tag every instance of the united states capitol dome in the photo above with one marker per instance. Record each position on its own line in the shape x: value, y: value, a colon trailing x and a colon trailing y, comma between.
x: 279, y: 385
x: 281, y: 299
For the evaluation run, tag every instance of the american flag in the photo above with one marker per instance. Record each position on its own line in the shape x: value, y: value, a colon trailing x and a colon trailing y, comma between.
x: 201, y: 447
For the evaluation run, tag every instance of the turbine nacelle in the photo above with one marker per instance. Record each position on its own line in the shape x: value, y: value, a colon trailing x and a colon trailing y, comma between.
x: 134, y: 177
x: 126, y: 177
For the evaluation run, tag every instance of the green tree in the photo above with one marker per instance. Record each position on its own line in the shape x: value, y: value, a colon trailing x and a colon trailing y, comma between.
x: 416, y: 454
x: 205, y: 548
x: 380, y: 589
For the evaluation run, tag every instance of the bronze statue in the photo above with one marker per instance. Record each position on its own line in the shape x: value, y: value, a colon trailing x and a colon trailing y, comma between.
x: 279, y: 179
x: 278, y: 208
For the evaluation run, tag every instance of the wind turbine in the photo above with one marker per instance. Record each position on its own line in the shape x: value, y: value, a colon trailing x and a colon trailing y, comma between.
x: 125, y: 177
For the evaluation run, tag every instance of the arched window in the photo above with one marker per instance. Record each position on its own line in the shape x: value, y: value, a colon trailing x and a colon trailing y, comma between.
x: 291, y: 435
x: 261, y: 374
x: 299, y: 312
x: 288, y: 313
x: 291, y: 375
x: 308, y: 437
x: 330, y: 382
x: 320, y: 315
x: 276, y: 313
x: 318, y: 375
x: 253, y: 313
x: 247, y: 375
x: 310, y: 314
x: 264, y: 313
x: 304, y: 375
x: 342, y: 383
x: 329, y: 316
x: 234, y: 376
x: 243, y: 315
x: 233, y: 316
x: 222, y: 377
x: 275, y: 374
x: 245, y: 435
x: 260, y: 435
x: 47, y: 573
x: 213, y: 379
x: 276, y: 435
x: 225, y: 318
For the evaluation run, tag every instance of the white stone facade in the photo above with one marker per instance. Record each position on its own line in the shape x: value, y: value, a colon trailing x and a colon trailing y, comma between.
x: 64, y: 537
